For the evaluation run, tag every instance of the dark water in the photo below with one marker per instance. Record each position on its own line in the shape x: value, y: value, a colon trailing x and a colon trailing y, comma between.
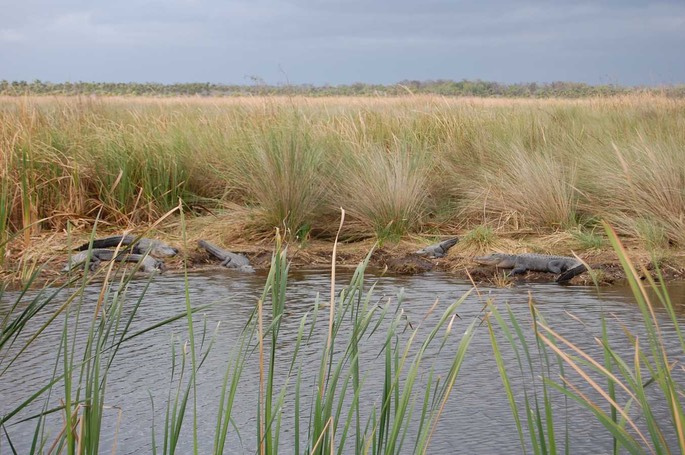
x: 476, y: 419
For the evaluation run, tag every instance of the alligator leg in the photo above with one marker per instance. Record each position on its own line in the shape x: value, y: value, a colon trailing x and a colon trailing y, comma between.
x: 555, y: 266
x: 94, y: 263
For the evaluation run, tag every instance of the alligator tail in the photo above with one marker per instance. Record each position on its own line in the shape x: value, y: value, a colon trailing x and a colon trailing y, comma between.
x: 570, y: 273
x: 212, y: 249
x: 108, y: 242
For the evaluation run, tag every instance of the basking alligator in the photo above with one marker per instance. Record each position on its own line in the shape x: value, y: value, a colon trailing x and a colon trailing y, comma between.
x: 147, y: 263
x: 142, y: 246
x: 228, y: 259
x: 438, y: 250
x: 566, y: 266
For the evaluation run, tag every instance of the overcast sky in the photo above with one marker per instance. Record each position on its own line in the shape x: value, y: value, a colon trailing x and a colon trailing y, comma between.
x: 335, y: 42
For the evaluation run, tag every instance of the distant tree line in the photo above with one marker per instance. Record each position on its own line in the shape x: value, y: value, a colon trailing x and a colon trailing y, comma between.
x: 436, y: 87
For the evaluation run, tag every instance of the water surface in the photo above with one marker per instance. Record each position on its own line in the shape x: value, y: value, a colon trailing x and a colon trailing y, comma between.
x: 477, y: 418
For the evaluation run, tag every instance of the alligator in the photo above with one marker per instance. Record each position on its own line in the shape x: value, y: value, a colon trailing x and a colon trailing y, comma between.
x: 141, y: 246
x: 147, y: 263
x: 566, y: 266
x: 438, y: 250
x: 228, y: 259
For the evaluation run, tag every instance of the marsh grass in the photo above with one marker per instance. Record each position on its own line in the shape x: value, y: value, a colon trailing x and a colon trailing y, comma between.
x: 523, y: 189
x: 283, y: 171
x: 385, y: 190
x: 4, y: 216
x: 397, y: 165
x: 652, y: 233
x: 480, y: 238
x: 588, y: 239
x: 645, y: 197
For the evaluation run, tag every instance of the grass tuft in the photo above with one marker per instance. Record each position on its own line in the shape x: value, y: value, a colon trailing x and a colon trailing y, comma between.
x: 480, y: 238
x: 588, y: 240
x: 385, y: 190
x: 523, y: 189
x: 640, y: 189
x: 283, y: 172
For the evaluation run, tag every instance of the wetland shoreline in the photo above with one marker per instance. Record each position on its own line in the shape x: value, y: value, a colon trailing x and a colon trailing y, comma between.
x: 50, y: 252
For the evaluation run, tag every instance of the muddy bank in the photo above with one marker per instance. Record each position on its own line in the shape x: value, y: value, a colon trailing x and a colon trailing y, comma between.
x: 48, y: 253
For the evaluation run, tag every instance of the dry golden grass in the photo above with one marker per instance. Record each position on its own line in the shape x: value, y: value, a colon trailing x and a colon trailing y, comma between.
x: 524, y: 190
x: 403, y: 165
x: 384, y: 190
x: 645, y: 195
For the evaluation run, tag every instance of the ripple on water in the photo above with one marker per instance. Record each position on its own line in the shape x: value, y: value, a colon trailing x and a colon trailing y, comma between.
x: 477, y: 418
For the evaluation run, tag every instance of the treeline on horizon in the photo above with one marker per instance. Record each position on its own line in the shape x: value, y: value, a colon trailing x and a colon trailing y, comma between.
x: 477, y: 88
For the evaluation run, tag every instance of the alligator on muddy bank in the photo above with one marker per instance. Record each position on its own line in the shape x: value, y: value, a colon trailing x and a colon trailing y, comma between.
x: 438, y: 250
x: 148, y: 264
x: 567, y: 267
x: 228, y: 259
x: 141, y: 246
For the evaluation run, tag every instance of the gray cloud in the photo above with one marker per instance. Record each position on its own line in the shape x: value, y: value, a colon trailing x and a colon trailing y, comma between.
x: 327, y: 41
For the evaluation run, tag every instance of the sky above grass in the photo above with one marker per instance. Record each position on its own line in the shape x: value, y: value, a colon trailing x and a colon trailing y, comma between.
x: 627, y: 42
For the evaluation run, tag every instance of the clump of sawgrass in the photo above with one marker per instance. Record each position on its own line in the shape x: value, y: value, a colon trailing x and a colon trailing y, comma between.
x: 283, y: 172
x: 523, y: 189
x: 5, y: 211
x: 588, y: 239
x: 640, y: 189
x: 501, y: 279
x: 385, y: 190
x: 652, y: 233
x: 597, y: 276
x: 76, y: 161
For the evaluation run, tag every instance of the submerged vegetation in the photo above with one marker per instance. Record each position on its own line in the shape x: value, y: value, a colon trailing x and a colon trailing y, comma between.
x: 551, y: 371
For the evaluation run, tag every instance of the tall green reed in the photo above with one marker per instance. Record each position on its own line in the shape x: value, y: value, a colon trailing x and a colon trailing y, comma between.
x: 619, y: 383
x: 82, y: 363
x: 338, y: 420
